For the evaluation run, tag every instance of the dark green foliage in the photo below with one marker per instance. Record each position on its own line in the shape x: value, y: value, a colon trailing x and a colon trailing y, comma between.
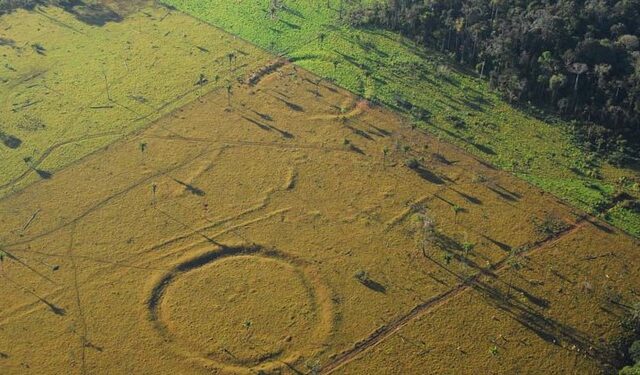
x: 634, y: 351
x: 635, y: 370
x: 7, y: 6
x: 10, y: 5
x: 92, y: 13
x: 627, y: 344
x: 579, y: 59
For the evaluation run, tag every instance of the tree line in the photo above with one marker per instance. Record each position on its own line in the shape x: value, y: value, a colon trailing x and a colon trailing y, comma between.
x: 579, y: 59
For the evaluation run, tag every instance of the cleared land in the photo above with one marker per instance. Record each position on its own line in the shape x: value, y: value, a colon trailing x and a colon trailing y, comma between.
x: 68, y: 87
x: 282, y: 224
x: 453, y: 105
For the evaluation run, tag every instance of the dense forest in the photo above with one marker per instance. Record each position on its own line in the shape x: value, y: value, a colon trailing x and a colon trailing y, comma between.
x: 578, y: 59
x: 9, y: 5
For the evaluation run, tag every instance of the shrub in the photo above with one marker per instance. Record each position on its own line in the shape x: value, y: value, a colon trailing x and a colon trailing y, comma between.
x: 635, y: 370
x: 549, y: 226
x: 362, y: 276
x: 468, y: 247
x: 627, y: 344
x: 479, y: 178
x: 634, y: 351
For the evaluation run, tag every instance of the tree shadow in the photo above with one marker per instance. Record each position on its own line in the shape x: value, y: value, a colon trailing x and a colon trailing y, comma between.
x: 283, y: 133
x: 190, y: 188
x: 360, y: 133
x: 601, y: 226
x: 290, y: 25
x: 45, y: 175
x: 356, y: 149
x: 548, y: 329
x: 512, y: 193
x: 330, y: 88
x: 10, y: 141
x: 505, y: 195
x: 538, y: 301
x: 292, y: 106
x: 427, y: 175
x: 381, y: 132
x: 294, y: 12
x: 473, y: 105
x: 55, y: 309
x: 258, y: 124
x: 374, y: 285
x: 91, y: 14
x: 503, y: 246
x: 263, y: 116
x: 468, y: 198
x: 484, y: 148
x: 441, y: 159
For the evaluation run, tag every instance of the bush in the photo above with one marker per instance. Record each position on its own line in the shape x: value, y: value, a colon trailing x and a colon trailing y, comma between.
x: 550, y: 226
x: 627, y: 344
x: 635, y: 370
x: 362, y: 276
x: 634, y: 351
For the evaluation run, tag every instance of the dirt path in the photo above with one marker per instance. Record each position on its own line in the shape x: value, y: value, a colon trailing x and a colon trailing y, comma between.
x: 392, y: 328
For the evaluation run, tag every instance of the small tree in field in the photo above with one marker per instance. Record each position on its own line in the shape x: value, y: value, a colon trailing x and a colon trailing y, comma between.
x: 468, y: 247
x: 2, y: 255
x: 456, y: 210
x: 385, y: 152
x: 274, y: 7
x: 427, y: 231
x: 229, y: 93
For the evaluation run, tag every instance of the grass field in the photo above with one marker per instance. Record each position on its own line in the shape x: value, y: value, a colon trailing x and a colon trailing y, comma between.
x: 251, y: 238
x: 122, y: 76
x: 279, y: 224
x: 455, y: 106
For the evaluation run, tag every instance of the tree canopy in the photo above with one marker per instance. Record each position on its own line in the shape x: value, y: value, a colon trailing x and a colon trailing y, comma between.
x: 579, y: 59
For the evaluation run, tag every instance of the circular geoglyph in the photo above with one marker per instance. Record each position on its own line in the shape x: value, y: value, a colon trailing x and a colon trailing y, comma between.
x: 243, y: 308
